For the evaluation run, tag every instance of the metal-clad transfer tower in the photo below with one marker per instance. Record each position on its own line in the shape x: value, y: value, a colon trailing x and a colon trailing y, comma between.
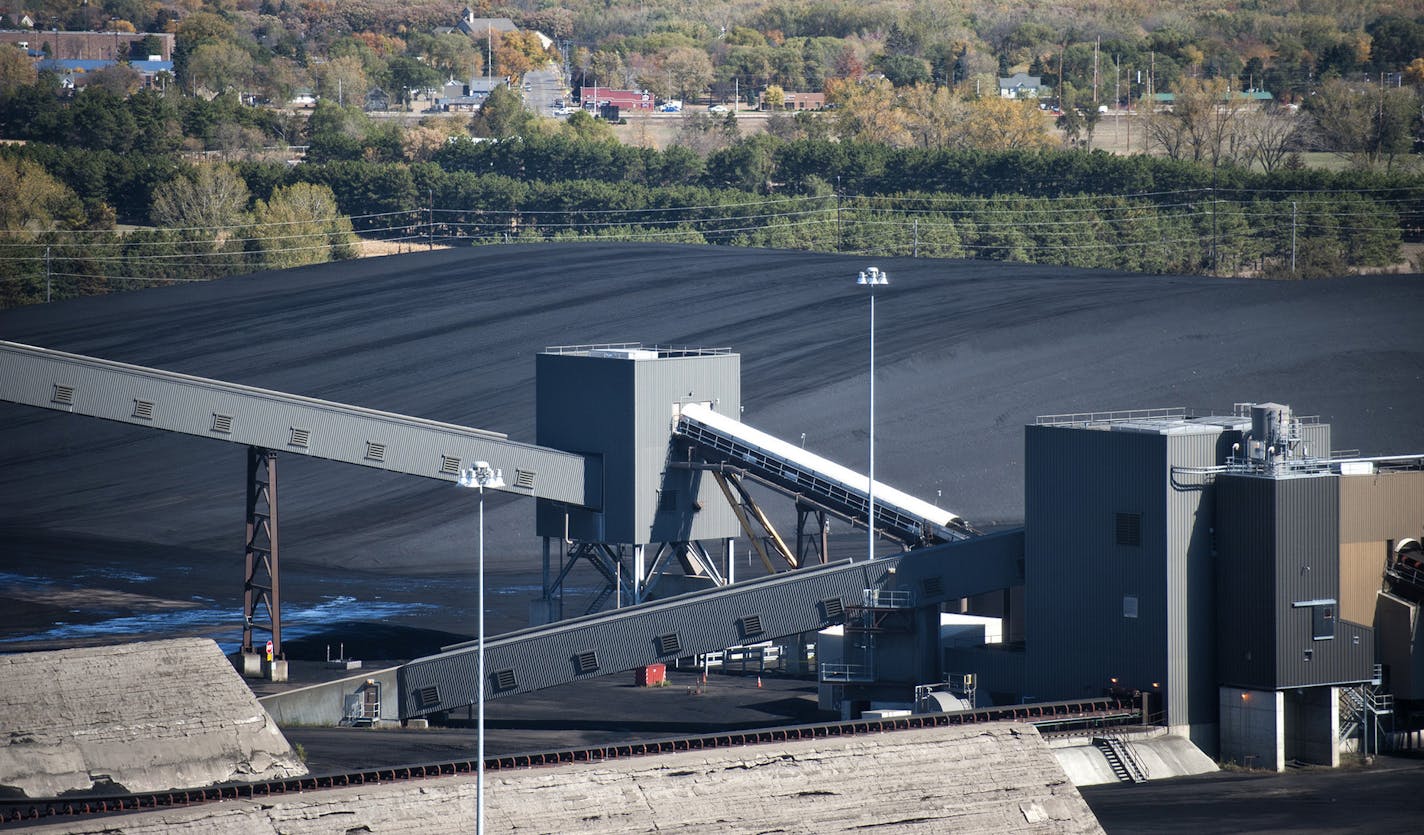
x: 619, y: 403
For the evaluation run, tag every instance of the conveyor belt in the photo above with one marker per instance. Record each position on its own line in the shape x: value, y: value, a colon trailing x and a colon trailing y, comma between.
x: 290, y: 423
x: 764, y: 609
x: 839, y: 489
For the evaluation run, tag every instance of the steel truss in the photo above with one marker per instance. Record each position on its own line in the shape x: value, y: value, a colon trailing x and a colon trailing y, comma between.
x: 261, y: 588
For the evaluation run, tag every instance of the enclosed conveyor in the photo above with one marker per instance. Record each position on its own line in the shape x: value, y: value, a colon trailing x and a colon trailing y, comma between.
x: 721, y: 440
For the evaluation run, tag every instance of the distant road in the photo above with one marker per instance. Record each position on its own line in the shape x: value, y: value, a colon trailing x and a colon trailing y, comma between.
x: 542, y: 88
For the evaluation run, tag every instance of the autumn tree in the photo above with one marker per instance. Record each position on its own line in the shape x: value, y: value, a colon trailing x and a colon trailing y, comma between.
x: 299, y: 225
x: 1267, y: 136
x: 211, y: 198
x: 868, y: 111
x: 33, y: 201
x: 1365, y: 124
x: 219, y: 66
x: 16, y: 69
x: 342, y: 79
x: 689, y: 72
x: 1202, y: 123
x: 1000, y: 124
x: 935, y: 116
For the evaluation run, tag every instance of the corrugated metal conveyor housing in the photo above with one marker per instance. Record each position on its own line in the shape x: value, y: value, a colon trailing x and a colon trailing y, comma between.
x: 624, y: 639
x: 768, y: 608
x: 794, y: 470
x: 290, y: 423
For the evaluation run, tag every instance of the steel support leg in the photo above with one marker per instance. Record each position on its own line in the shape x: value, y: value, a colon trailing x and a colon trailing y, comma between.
x: 262, y: 583
x: 811, y: 543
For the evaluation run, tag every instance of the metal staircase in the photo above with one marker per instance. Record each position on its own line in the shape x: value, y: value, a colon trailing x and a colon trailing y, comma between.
x: 1361, y: 709
x: 1120, y: 759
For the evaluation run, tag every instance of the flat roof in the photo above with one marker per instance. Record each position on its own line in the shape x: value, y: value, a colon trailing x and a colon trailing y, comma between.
x: 635, y: 351
x: 1173, y: 420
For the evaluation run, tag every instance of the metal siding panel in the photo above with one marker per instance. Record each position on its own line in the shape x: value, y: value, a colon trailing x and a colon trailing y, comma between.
x: 1308, y: 556
x: 585, y: 405
x: 1316, y: 438
x: 1076, y: 574
x: 621, y: 409
x: 660, y: 384
x: 185, y: 404
x: 1192, y: 695
x: 1245, y: 588
x: 787, y: 604
x: 1361, y: 567
x: 626, y: 638
x: 1381, y: 506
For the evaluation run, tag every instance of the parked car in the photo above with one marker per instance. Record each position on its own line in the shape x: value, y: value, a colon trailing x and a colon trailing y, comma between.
x: 670, y: 107
x: 717, y: 108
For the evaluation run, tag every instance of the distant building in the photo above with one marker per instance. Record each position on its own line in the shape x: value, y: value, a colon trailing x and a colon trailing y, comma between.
x: 479, y: 27
x: 1020, y: 86
x: 621, y: 99
x: 74, y: 73
x: 92, y: 46
x: 377, y: 99
x: 798, y: 101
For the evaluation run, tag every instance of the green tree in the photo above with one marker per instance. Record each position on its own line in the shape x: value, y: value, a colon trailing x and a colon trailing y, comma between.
x: 904, y: 70
x: 299, y: 225
x: 407, y: 75
x: 501, y: 116
x: 219, y: 66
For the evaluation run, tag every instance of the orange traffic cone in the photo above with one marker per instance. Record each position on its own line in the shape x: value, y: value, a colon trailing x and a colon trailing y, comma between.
x: 758, y: 681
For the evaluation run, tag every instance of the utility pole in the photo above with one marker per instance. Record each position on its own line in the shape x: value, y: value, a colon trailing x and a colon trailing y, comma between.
x: 430, y: 222
x: 1293, y: 219
x: 47, y: 276
x: 1097, y: 43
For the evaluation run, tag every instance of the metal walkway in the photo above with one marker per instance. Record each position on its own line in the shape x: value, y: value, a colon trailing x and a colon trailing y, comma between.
x: 726, y: 442
x: 288, y: 423
x: 771, y: 607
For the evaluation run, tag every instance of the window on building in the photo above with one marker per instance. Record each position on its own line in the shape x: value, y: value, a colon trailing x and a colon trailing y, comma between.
x: 1129, y: 606
x: 1129, y: 529
x: 1322, y: 621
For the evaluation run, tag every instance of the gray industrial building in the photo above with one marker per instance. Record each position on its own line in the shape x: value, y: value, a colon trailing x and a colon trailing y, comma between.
x: 1118, y: 557
x: 1259, y: 593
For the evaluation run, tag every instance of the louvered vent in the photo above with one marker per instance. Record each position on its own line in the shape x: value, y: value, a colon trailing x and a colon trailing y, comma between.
x: 524, y: 479
x: 750, y: 625
x: 669, y: 644
x: 586, y: 661
x: 832, y: 609
x: 63, y: 395
x: 449, y: 465
x: 427, y: 696
x: 143, y: 409
x: 222, y: 424
x: 300, y: 438
x: 934, y: 586
x: 504, y: 680
x: 1129, y: 529
x: 375, y: 451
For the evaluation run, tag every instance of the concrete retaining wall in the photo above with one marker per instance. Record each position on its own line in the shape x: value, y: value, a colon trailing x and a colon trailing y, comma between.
x: 982, y: 778
x: 1161, y: 756
x: 143, y: 717
x: 333, y: 702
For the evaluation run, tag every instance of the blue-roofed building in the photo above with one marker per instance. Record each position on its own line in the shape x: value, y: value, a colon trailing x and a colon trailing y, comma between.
x: 73, y: 71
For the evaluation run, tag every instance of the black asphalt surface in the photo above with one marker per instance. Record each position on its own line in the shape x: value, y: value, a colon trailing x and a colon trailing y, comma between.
x: 966, y: 354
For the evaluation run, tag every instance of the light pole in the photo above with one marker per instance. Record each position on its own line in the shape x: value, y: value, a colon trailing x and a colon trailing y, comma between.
x: 480, y: 476
x: 872, y: 277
